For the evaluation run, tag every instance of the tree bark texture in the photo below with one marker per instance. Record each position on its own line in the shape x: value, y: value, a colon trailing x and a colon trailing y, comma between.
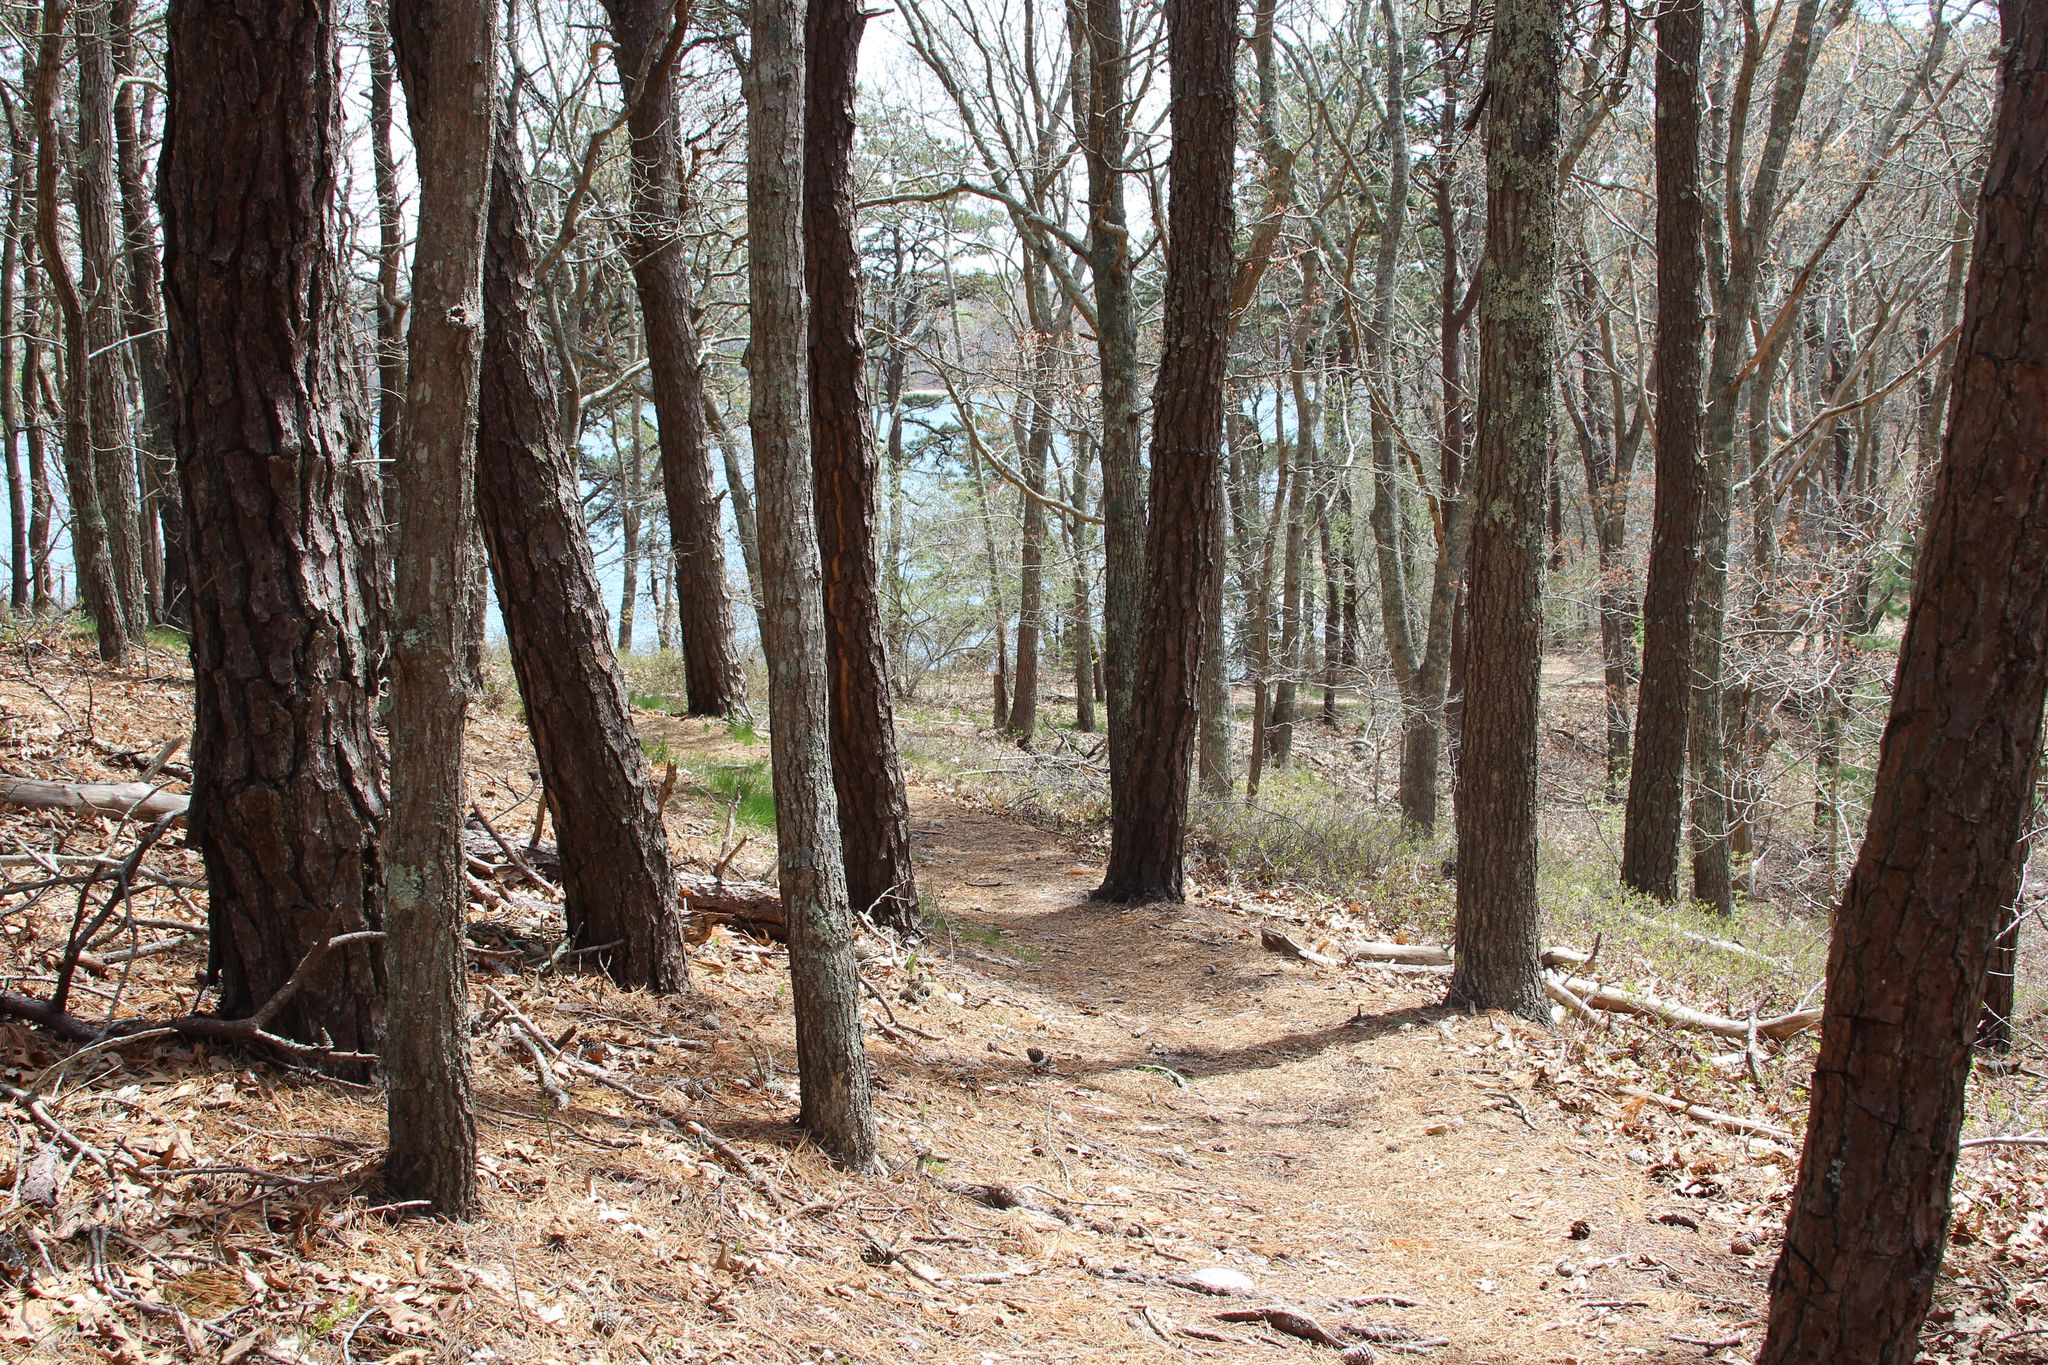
x: 98, y: 588
x: 1942, y: 852
x: 144, y: 318
x: 1656, y: 782
x: 1497, y: 964
x: 446, y: 56
x: 286, y: 794
x: 1103, y: 149
x: 618, y: 882
x: 838, y: 1100
x: 874, y: 811
x: 1148, y: 832
x: 648, y: 40
x: 96, y: 195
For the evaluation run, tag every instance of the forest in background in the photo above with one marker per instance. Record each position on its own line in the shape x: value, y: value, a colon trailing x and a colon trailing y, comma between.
x: 1413, y: 476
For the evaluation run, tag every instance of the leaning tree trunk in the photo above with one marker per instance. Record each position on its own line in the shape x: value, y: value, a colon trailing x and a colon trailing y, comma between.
x: 874, y: 811
x: 97, y: 197
x: 286, y: 797
x: 446, y: 51
x: 19, y: 572
x: 649, y: 40
x: 1148, y: 833
x: 1656, y: 782
x: 838, y: 1098
x: 98, y: 588
x: 618, y: 883
x: 1941, y: 856
x: 1498, y: 964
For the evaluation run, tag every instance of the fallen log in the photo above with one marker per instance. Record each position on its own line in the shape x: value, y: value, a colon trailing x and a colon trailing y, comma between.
x: 710, y: 901
x: 1617, y: 1001
x: 1579, y: 994
x: 122, y: 800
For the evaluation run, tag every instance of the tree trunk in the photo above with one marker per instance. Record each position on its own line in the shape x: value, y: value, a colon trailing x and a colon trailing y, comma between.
x: 1034, y: 457
x: 874, y: 811
x: 145, y: 320
x: 1656, y: 782
x: 1497, y: 964
x: 1103, y: 148
x: 618, y: 885
x: 629, y: 527
x: 1217, y: 716
x: 1082, y: 622
x: 838, y: 1101
x: 1941, y: 857
x: 742, y: 500
x: 1149, y: 832
x: 98, y: 587
x: 648, y: 41
x: 446, y: 54
x: 40, y: 500
x: 96, y: 193
x: 19, y: 571
x: 1286, y: 688
x: 286, y: 793
x: 392, y: 307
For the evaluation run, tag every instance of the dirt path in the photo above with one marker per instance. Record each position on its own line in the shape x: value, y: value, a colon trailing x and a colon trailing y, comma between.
x: 1333, y: 1139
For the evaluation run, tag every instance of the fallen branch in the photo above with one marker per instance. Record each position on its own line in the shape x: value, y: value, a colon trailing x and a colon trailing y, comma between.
x: 2009, y: 1140
x: 1732, y: 1122
x: 1296, y: 1323
x: 122, y: 800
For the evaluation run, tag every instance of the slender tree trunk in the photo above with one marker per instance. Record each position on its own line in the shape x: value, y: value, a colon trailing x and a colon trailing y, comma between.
x: 446, y: 54
x: 33, y: 379
x: 1036, y: 454
x: 1941, y: 857
x: 647, y: 42
x: 98, y: 588
x: 19, y: 572
x: 1280, y: 727
x: 630, y: 484
x: 874, y: 810
x: 1148, y: 833
x: 1656, y: 783
x: 392, y: 307
x: 145, y: 320
x: 838, y: 1101
x: 1497, y: 964
x: 96, y: 194
x: 1123, y: 493
x: 619, y: 885
x: 1217, y: 716
x: 742, y: 499
x: 1082, y: 622
x: 286, y: 792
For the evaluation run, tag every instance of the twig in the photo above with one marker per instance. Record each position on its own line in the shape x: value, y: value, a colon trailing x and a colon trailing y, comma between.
x: 512, y: 856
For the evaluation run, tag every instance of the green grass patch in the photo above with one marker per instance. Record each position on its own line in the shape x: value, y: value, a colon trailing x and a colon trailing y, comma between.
x: 747, y: 783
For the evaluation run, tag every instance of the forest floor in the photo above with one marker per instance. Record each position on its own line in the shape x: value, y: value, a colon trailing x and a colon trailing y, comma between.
x: 1175, y: 1107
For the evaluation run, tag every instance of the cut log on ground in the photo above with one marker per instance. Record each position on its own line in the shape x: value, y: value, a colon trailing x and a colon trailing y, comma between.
x: 122, y: 800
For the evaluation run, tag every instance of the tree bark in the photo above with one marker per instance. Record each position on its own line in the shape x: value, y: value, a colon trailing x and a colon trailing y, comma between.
x: 1103, y: 149
x: 20, y: 574
x: 1498, y: 956
x: 145, y: 320
x: 96, y: 195
x: 1941, y: 857
x: 647, y: 41
x: 446, y: 53
x: 286, y: 792
x: 1656, y: 784
x: 838, y: 1100
x: 618, y: 884
x: 874, y: 811
x: 98, y: 588
x: 1148, y: 832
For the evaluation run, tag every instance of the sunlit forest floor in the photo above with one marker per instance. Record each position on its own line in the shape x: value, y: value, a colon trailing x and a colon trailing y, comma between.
x: 1095, y: 1117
